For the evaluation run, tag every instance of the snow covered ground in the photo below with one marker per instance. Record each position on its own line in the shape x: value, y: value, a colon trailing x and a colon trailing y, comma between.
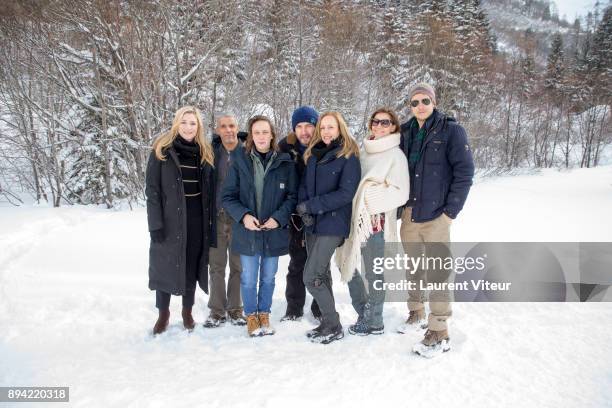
x: 75, y: 311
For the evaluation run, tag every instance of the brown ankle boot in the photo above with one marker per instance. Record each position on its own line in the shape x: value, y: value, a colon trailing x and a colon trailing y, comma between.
x: 162, y: 322
x: 264, y: 321
x: 188, y: 322
x: 253, y: 326
x: 417, y: 320
x: 433, y: 337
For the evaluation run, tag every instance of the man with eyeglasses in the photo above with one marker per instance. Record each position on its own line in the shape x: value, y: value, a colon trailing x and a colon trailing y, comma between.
x: 441, y: 171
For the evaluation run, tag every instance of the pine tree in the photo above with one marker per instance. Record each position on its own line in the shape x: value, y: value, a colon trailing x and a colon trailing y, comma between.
x: 555, y: 67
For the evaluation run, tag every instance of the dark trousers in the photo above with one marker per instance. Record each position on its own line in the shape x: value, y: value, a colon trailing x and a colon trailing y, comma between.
x: 317, y: 274
x: 192, y: 263
x: 295, y: 292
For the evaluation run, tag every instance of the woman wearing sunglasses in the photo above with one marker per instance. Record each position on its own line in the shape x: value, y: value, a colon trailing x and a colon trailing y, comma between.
x: 383, y: 188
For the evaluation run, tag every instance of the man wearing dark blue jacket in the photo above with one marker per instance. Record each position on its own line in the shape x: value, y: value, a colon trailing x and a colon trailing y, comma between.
x: 441, y: 171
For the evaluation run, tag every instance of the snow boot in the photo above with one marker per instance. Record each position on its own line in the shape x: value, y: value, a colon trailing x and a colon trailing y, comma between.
x: 328, y: 333
x: 433, y: 344
x: 162, y: 321
x: 236, y: 317
x: 264, y: 321
x: 416, y: 321
x: 315, y: 331
x: 292, y: 315
x: 188, y: 322
x: 361, y: 328
x: 214, y: 320
x: 253, y: 325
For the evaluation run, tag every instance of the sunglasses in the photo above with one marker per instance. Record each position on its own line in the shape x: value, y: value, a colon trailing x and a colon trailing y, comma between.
x: 381, y: 122
x: 414, y: 103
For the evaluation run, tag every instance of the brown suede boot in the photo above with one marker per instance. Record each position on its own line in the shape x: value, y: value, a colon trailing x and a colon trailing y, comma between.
x: 253, y: 325
x: 264, y: 321
x: 188, y: 322
x: 416, y: 321
x: 162, y: 321
x: 433, y: 344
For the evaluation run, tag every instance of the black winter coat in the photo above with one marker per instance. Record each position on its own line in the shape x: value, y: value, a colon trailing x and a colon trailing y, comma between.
x: 289, y: 145
x: 166, y: 209
x: 217, y: 145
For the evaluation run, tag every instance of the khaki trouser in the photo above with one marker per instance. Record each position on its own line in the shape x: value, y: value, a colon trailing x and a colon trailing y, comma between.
x: 413, y: 235
x: 219, y: 301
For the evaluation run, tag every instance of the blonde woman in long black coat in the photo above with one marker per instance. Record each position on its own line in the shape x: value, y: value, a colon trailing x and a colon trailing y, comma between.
x: 179, y: 190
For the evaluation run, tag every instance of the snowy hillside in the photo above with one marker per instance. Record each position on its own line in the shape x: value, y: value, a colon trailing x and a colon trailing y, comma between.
x: 75, y: 311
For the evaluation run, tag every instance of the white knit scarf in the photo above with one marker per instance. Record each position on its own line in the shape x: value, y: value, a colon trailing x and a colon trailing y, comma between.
x: 384, y: 186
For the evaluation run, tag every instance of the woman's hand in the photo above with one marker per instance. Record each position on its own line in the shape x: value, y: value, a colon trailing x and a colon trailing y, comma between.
x: 270, y: 224
x: 251, y: 223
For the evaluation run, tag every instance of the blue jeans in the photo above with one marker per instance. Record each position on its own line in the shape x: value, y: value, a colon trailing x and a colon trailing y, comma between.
x: 252, y: 266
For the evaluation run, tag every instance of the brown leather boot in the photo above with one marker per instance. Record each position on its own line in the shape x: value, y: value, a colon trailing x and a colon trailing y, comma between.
x: 162, y: 321
x: 417, y: 320
x: 188, y: 322
x: 253, y: 326
x: 264, y: 321
x: 433, y: 344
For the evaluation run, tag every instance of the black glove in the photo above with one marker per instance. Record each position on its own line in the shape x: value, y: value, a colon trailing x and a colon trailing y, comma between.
x: 308, y: 220
x: 157, y: 236
x: 301, y: 209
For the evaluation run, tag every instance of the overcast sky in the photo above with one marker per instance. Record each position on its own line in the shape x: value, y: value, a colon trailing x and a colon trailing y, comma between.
x: 573, y: 8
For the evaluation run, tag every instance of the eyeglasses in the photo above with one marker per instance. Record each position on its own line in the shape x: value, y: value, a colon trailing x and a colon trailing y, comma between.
x: 414, y: 103
x: 381, y: 122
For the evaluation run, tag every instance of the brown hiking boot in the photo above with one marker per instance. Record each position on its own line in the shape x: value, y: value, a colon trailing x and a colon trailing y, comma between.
x: 416, y: 320
x: 236, y: 317
x: 434, y: 337
x: 264, y: 320
x: 433, y: 344
x: 188, y: 322
x: 214, y: 320
x: 253, y: 326
x: 162, y: 322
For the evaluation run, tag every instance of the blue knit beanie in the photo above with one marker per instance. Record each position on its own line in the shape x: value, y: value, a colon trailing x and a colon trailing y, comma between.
x: 304, y: 114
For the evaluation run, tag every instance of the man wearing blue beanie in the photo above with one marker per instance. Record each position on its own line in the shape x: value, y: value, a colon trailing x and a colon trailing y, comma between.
x: 303, y: 122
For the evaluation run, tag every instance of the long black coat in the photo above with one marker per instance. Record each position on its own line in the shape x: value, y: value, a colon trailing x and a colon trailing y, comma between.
x: 166, y: 209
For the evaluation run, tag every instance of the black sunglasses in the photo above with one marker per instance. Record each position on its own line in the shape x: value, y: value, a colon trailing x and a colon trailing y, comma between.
x: 381, y: 122
x: 415, y: 103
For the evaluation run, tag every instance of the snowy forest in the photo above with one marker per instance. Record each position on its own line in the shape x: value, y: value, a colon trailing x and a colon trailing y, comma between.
x: 86, y: 85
